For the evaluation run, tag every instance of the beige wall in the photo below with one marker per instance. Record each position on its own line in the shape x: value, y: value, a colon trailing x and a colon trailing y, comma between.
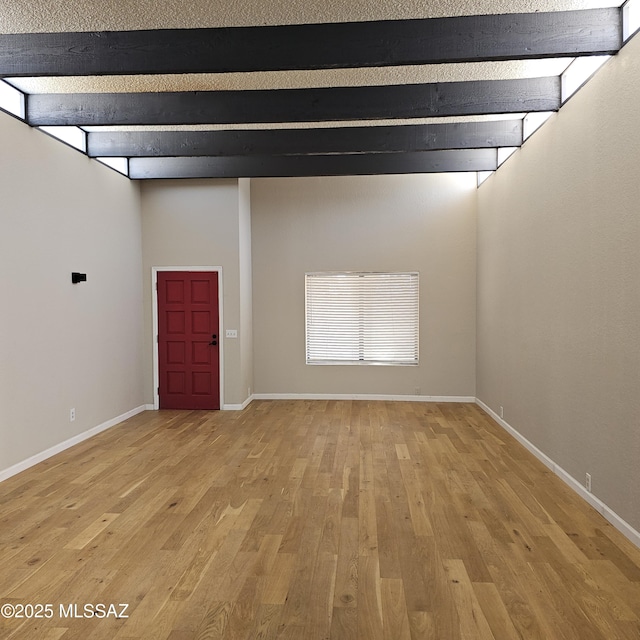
x: 196, y: 223
x: 64, y: 345
x: 559, y: 287
x: 245, y: 335
x: 422, y: 223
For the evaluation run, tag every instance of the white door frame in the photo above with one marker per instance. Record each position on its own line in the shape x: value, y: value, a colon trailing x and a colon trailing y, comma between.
x: 154, y: 289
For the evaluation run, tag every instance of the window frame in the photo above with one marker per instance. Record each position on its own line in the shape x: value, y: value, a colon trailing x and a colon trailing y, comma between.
x: 411, y: 343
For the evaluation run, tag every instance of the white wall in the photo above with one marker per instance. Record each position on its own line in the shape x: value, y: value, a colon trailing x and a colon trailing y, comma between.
x: 64, y: 345
x: 559, y: 287
x: 422, y: 223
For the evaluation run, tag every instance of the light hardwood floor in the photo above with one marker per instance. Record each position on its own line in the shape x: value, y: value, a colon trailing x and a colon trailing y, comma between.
x: 309, y: 521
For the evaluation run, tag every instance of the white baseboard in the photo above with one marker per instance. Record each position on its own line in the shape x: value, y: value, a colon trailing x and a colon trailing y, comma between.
x: 624, y: 527
x: 85, y: 435
x: 238, y: 407
x: 360, y: 396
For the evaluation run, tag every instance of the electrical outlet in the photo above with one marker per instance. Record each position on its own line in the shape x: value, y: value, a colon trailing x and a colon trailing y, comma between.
x: 417, y: 391
x: 72, y: 415
x: 587, y: 482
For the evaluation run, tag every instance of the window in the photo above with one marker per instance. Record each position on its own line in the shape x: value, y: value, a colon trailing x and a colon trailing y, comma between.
x: 11, y: 99
x: 362, y: 318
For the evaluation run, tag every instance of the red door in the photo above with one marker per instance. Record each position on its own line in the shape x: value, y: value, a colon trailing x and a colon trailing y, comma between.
x: 188, y: 337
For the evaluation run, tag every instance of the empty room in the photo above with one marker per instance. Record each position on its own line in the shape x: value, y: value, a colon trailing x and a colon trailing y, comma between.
x: 338, y: 327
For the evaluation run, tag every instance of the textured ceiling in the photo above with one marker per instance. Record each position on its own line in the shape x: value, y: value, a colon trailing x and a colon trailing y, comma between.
x: 67, y: 15
x: 24, y: 16
x: 372, y: 76
x: 52, y: 16
x: 306, y: 125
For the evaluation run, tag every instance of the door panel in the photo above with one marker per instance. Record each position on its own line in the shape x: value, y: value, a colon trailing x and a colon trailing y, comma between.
x: 188, y: 320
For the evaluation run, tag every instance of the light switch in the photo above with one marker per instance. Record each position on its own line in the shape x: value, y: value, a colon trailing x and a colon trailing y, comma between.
x: 231, y: 333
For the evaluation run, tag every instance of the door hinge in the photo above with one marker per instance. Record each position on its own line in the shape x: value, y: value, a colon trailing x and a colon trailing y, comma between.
x: 157, y: 338
x: 158, y: 390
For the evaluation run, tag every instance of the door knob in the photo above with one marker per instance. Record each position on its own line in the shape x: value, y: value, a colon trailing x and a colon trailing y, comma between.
x: 214, y: 340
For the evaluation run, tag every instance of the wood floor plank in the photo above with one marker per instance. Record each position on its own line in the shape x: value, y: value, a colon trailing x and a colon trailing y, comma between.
x: 472, y: 619
x: 344, y: 624
x: 346, y: 583
x: 320, y: 606
x: 266, y: 622
x: 395, y: 620
x: 216, y: 620
x: 243, y: 615
x: 370, y: 617
x: 277, y: 582
x: 326, y: 520
x: 494, y: 611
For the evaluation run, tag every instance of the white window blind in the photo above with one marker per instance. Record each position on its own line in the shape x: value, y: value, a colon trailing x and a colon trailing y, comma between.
x: 362, y: 318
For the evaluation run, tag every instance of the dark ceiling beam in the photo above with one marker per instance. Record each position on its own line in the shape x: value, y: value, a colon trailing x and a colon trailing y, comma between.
x: 319, y: 165
x: 296, y: 105
x: 383, y: 139
x: 314, y: 46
